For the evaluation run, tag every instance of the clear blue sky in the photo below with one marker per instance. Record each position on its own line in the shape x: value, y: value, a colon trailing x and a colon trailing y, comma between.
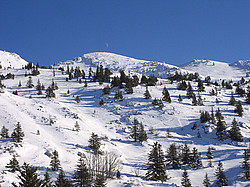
x: 176, y: 31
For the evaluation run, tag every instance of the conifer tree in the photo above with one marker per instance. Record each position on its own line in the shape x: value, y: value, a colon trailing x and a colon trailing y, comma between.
x: 85, y: 83
x: 101, y: 102
x: 147, y: 94
x: 100, y: 181
x: 50, y: 92
x: 212, y: 116
x: 190, y: 92
x: 218, y: 115
x: 206, y: 181
x: 195, y: 161
x: 155, y: 102
x: 172, y: 156
x: 13, y: 165
x: 201, y: 88
x: 221, y: 178
x: 118, y: 95
x: 106, y: 90
x: 47, y: 180
x: 18, y: 134
x: 19, y: 84
x: 234, y: 132
x: 166, y: 95
x: 30, y: 83
x: 77, y: 99
x: 77, y: 126
x: 209, y: 156
x: 200, y: 102
x: 194, y: 100
x: 62, y: 181
x: 220, y: 129
x: 156, y: 167
x: 232, y: 100
x: 185, y: 181
x: 118, y: 174
x: 239, y: 109
x: 142, y: 135
x: 185, y: 155
x: 135, y: 130
x: 94, y: 143
x: 180, y: 99
x: 160, y: 104
x: 82, y: 176
x: 246, y: 164
x: 28, y: 176
x: 4, y: 133
x: 55, y: 162
x: 39, y: 88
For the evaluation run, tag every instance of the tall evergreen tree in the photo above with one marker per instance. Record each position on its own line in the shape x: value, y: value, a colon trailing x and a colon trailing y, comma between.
x: 28, y: 176
x: 239, y: 109
x: 172, y: 156
x: 190, y: 92
x: 221, y: 178
x: 77, y: 126
x: 200, y: 102
x: 62, y: 181
x: 4, y: 132
x: 212, y: 116
x: 50, y: 92
x: 82, y: 176
x: 194, y: 100
x: 39, y: 88
x: 218, y: 115
x: 13, y: 165
x: 180, y: 99
x: 142, y: 135
x: 77, y: 99
x: 100, y: 181
x: 94, y: 143
x: 234, y: 132
x: 18, y: 134
x: 135, y: 130
x: 220, y: 129
x: 55, y: 162
x: 185, y: 181
x: 118, y: 95
x: 30, y: 83
x: 166, y: 95
x: 106, y: 90
x: 246, y: 164
x: 147, y: 94
x: 156, y: 167
x: 201, y: 88
x: 206, y: 181
x: 195, y: 161
x: 209, y: 156
x: 185, y: 154
x: 232, y: 100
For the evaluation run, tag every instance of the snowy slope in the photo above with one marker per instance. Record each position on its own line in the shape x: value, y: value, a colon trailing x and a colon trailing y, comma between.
x: 214, y: 69
x: 243, y: 64
x: 112, y: 121
x: 11, y: 60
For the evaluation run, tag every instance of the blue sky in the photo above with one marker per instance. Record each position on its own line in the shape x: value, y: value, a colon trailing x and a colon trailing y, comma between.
x: 176, y: 31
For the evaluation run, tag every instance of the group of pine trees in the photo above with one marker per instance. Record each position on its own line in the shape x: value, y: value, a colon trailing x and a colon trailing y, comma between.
x: 17, y: 134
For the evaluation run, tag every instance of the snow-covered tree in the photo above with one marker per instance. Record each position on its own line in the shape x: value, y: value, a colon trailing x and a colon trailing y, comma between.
x: 147, y: 94
x: 62, y: 181
x: 166, y: 95
x: 173, y: 156
x: 246, y: 164
x: 185, y: 154
x: 13, y: 165
x: 239, y: 109
x: 55, y: 162
x: 185, y: 181
x: 17, y: 134
x: 232, y: 100
x: 47, y: 180
x: 206, y: 181
x: 94, y: 143
x: 234, y: 132
x: 4, y: 133
x: 221, y: 178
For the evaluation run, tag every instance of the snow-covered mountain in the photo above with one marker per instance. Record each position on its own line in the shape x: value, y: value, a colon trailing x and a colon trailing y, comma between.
x: 243, y: 64
x: 48, y: 123
x: 11, y: 60
x: 216, y: 70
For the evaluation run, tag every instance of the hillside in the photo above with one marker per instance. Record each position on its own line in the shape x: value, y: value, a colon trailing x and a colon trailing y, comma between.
x: 11, y: 60
x: 55, y: 119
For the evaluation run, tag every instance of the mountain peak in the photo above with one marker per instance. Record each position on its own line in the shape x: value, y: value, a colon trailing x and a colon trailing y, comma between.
x: 11, y: 60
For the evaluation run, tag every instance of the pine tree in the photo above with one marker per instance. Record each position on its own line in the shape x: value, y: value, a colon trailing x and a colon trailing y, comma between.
x: 30, y: 83
x: 206, y: 181
x: 135, y: 130
x: 156, y: 167
x: 62, y: 181
x: 185, y: 155
x: 160, y: 104
x: 232, y: 100
x: 180, y: 99
x: 129, y: 86
x: 234, y: 132
x: 220, y: 129
x: 85, y: 83
x: 118, y: 174
x: 39, y: 88
x: 172, y: 156
x: 155, y: 102
x: 201, y: 88
x: 4, y: 133
x: 239, y: 109
x: 94, y: 143
x: 185, y: 181
x: 77, y: 99
x: 147, y: 94
x: 13, y: 165
x: 209, y: 156
x: 142, y: 135
x: 194, y: 100
x: 195, y: 161
x: 101, y: 102
x: 218, y: 115
x: 17, y: 135
x: 77, y: 126
x: 200, y: 102
x: 166, y: 95
x: 19, y: 84
x: 82, y: 176
x: 190, y: 92
x: 50, y: 92
x: 100, y: 181
x: 55, y: 162
x: 221, y: 178
x: 118, y: 95
x: 47, y: 180
x: 246, y: 164
x: 28, y: 176
x: 106, y: 90
x: 212, y: 116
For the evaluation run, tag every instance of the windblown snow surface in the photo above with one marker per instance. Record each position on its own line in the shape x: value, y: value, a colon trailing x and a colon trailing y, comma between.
x: 112, y: 120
